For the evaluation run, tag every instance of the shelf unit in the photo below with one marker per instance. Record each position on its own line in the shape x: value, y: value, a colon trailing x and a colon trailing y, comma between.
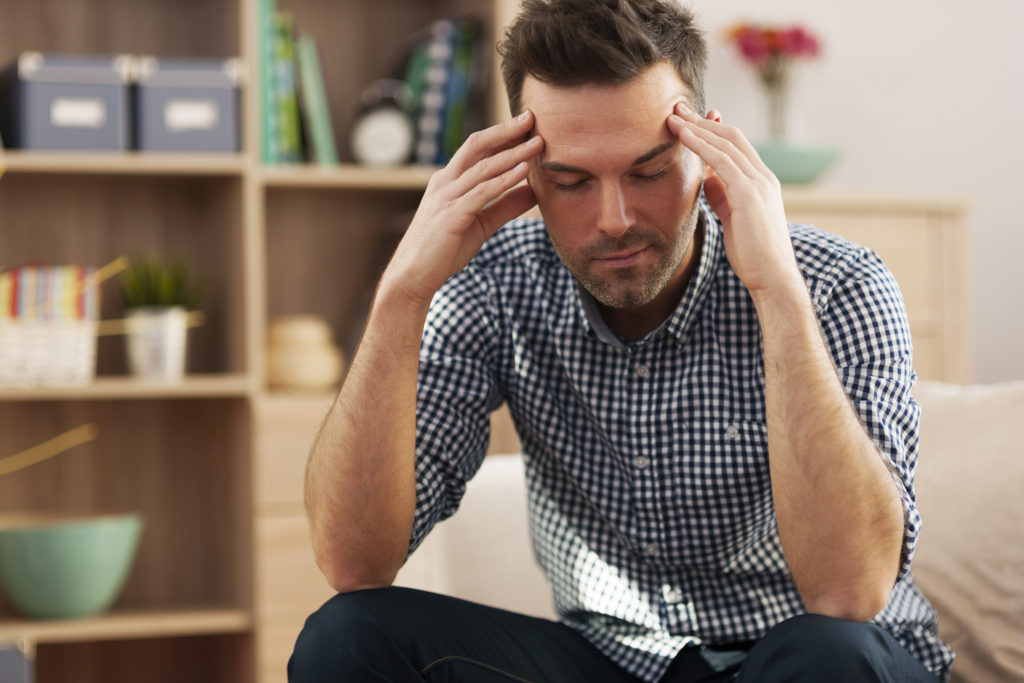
x: 206, y: 599
x: 224, y: 576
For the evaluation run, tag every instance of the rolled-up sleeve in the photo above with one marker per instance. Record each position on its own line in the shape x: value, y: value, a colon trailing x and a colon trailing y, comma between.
x: 865, y: 323
x: 456, y: 392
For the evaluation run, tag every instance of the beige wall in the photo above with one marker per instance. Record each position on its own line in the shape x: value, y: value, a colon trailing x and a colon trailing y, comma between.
x: 920, y: 96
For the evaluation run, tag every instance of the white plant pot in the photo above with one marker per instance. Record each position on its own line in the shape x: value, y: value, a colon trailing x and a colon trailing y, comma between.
x: 156, y: 342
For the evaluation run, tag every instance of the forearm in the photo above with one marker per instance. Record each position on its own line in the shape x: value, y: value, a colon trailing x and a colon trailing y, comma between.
x: 838, y: 509
x: 360, y: 477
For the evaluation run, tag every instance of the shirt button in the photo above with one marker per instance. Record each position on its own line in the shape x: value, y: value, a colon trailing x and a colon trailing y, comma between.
x: 651, y: 549
x: 673, y: 596
x: 732, y: 432
x: 640, y: 462
x: 642, y: 371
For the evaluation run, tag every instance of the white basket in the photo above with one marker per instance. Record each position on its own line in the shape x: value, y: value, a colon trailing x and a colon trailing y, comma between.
x: 47, y: 353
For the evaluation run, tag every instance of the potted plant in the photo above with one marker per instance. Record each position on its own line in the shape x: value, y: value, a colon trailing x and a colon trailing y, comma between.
x: 158, y: 297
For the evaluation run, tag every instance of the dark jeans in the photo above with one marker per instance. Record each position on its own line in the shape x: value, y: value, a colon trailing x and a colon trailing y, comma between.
x: 408, y: 636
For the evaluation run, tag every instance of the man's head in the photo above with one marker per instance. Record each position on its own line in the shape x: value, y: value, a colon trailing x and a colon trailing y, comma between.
x: 601, y: 42
x: 617, y: 190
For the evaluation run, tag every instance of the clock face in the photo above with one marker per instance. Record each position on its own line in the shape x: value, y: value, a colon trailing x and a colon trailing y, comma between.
x: 383, y: 137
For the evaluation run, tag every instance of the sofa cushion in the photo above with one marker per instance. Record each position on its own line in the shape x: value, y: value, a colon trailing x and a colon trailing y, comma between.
x: 970, y: 491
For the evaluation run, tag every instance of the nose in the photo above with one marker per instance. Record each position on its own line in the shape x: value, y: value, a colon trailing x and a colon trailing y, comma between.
x: 615, y: 216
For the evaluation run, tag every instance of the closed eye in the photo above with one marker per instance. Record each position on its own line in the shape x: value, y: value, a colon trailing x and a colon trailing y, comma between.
x: 652, y: 177
x: 572, y: 187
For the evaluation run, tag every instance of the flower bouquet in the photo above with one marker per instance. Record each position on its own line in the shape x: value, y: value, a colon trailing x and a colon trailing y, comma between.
x: 772, y: 50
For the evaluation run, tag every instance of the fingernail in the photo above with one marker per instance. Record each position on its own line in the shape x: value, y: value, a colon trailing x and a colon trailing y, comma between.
x: 681, y: 106
x: 522, y: 117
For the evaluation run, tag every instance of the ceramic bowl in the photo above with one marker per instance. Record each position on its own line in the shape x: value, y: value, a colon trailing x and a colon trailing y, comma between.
x: 66, y: 566
x: 796, y: 163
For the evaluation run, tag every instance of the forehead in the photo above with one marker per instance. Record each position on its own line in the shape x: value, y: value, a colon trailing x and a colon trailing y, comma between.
x: 589, y: 122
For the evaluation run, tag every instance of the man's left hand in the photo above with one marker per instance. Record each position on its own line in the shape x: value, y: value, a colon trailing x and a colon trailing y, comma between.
x: 747, y: 197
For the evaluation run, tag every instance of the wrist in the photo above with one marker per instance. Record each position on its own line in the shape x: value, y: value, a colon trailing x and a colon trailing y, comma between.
x: 398, y: 293
x: 785, y: 296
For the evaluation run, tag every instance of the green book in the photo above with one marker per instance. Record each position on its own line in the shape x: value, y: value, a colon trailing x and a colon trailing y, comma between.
x: 286, y: 99
x: 458, y: 89
x: 266, y: 11
x: 314, y: 102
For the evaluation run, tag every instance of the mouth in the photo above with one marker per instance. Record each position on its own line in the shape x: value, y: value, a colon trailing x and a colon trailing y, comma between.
x: 622, y: 259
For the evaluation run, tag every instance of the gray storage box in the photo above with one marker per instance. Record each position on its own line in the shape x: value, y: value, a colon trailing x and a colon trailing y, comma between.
x: 187, y: 104
x: 15, y: 665
x: 50, y: 101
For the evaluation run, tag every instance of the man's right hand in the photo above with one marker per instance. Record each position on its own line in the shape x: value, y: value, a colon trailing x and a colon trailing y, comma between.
x: 464, y: 204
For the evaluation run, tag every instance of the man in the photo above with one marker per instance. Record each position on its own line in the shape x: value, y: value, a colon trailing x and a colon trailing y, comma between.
x: 714, y: 406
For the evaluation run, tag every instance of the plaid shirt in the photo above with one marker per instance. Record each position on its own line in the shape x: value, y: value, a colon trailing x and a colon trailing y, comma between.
x: 647, y: 462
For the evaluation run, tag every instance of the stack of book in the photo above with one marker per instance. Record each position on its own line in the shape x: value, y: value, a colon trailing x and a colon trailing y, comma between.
x: 447, y: 76
x: 294, y: 106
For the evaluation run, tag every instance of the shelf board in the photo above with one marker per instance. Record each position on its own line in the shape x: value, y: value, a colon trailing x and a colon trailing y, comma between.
x: 347, y: 176
x: 125, y: 387
x: 124, y: 163
x: 128, y: 625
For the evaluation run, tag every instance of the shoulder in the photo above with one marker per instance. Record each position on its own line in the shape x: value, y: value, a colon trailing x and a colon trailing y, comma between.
x: 827, y: 261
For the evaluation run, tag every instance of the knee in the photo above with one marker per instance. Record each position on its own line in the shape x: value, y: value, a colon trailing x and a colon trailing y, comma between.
x: 349, y: 630
x: 815, y: 647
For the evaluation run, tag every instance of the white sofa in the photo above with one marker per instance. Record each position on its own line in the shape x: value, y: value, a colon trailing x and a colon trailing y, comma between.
x: 970, y: 560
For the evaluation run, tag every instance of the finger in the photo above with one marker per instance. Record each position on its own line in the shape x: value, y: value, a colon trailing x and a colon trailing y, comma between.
x: 493, y: 166
x: 712, y: 130
x: 470, y: 204
x: 510, y: 205
x: 489, y: 141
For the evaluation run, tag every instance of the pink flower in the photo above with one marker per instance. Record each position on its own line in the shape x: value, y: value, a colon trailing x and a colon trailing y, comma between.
x: 760, y: 45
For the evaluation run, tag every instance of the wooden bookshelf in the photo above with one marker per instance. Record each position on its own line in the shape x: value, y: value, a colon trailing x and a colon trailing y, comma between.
x: 205, y: 598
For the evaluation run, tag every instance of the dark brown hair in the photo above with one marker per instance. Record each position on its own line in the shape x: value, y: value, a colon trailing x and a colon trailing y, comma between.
x: 566, y: 43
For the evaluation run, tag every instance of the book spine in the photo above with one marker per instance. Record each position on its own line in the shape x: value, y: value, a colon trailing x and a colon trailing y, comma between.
x: 6, y: 294
x: 458, y: 90
x: 434, y: 102
x: 285, y: 96
x: 314, y: 96
x: 266, y: 10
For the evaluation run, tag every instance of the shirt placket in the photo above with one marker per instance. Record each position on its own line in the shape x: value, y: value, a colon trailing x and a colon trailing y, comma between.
x: 640, y: 377
x: 651, y: 434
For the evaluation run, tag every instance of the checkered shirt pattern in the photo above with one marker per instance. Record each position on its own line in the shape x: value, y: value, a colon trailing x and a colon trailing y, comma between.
x: 647, y: 462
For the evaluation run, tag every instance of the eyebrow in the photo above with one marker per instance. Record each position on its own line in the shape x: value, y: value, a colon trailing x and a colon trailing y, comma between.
x: 559, y: 167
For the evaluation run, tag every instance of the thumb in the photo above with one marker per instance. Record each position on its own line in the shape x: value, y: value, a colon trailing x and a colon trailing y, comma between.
x: 714, y: 191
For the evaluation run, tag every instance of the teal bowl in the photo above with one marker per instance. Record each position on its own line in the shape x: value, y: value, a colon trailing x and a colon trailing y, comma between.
x: 795, y: 163
x: 62, y: 567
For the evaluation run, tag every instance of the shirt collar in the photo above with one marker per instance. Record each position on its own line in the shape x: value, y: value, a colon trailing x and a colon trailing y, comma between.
x: 678, y: 323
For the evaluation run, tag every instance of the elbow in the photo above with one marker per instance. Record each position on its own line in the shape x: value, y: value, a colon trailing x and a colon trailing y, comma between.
x: 344, y: 578
x: 859, y: 604
x: 347, y: 572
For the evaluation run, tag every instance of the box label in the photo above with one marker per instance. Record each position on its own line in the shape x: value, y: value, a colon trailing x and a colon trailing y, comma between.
x: 185, y: 115
x: 78, y: 112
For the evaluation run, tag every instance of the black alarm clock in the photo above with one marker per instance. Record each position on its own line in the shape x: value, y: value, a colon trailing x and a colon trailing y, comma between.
x: 383, y: 133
